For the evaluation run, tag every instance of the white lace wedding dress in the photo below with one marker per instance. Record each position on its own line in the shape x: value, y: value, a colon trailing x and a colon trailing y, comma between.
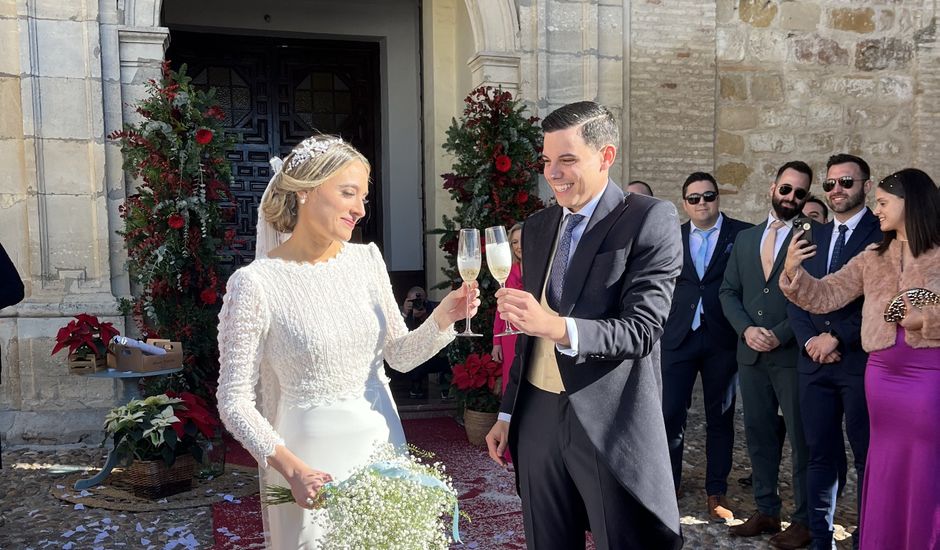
x: 310, y: 340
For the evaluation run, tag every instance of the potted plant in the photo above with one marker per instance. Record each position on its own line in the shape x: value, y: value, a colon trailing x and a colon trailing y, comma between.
x: 158, y: 439
x: 87, y: 340
x: 476, y: 383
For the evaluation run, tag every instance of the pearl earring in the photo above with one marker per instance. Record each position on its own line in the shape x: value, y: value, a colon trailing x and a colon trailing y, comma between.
x: 303, y: 200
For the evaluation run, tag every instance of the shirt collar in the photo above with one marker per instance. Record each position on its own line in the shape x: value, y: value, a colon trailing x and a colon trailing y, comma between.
x: 786, y: 223
x: 588, y: 210
x: 717, y: 225
x: 852, y: 222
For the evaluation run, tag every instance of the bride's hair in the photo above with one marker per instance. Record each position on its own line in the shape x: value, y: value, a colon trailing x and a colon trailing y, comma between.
x: 311, y: 163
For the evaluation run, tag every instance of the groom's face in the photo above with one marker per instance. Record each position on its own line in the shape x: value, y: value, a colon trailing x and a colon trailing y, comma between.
x: 575, y: 171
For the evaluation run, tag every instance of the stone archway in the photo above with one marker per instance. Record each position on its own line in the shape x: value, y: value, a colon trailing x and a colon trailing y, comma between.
x: 495, y: 25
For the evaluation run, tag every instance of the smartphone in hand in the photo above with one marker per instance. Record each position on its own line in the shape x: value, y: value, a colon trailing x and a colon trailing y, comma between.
x: 805, y: 225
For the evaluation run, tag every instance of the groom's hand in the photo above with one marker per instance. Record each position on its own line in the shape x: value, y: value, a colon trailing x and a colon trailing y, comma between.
x: 497, y: 440
x: 525, y: 313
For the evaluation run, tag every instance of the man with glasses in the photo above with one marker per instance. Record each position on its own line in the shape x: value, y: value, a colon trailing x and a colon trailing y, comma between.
x: 698, y: 339
x: 767, y: 352
x: 832, y: 363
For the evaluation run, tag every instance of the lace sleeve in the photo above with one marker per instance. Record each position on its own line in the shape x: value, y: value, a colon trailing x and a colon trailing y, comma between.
x: 243, y: 324
x: 405, y: 350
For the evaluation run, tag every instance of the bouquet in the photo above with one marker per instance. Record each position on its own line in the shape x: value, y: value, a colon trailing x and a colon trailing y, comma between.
x: 396, y: 501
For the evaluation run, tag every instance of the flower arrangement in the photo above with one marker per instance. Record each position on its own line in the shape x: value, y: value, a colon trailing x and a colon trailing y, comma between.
x: 496, y: 149
x: 477, y: 382
x: 396, y: 501
x: 173, y: 225
x: 160, y: 427
x: 85, y: 335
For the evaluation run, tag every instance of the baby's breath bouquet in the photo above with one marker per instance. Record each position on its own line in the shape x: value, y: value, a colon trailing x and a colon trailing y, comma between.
x: 396, y: 501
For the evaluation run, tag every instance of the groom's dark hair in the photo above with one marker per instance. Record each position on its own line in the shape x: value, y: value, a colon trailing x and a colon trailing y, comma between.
x: 598, y: 126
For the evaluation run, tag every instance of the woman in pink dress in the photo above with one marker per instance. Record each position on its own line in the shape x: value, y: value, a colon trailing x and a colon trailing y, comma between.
x: 504, y: 347
x: 901, y: 490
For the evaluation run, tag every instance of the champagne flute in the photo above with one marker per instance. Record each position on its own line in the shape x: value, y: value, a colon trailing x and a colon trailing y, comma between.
x: 468, y: 263
x: 499, y: 261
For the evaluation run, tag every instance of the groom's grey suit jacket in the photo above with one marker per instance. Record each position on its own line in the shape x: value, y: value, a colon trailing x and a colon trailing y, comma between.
x: 618, y: 289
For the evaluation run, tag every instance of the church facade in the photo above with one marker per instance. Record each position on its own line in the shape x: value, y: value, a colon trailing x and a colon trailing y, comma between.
x: 733, y: 87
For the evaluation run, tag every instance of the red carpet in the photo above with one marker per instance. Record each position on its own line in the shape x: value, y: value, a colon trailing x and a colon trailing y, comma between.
x: 487, y: 493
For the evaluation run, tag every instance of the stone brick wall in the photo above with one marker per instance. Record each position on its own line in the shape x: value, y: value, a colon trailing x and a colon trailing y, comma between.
x: 803, y: 80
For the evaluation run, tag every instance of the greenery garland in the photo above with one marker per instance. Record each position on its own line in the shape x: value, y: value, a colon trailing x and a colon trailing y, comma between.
x: 497, y: 159
x: 173, y: 225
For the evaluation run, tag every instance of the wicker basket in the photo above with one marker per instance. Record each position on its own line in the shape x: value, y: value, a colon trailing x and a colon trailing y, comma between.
x: 86, y: 365
x: 478, y: 424
x: 153, y: 479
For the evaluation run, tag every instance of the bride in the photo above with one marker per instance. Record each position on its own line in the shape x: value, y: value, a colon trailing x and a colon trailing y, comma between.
x: 306, y: 328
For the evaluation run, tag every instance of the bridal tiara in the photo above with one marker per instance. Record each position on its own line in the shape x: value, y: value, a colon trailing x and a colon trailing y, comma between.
x: 304, y: 152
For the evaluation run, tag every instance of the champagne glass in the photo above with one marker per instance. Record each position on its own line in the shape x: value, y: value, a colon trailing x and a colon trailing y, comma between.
x: 499, y: 261
x: 468, y: 263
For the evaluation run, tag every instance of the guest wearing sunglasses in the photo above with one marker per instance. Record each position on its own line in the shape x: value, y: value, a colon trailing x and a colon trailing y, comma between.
x: 831, y: 365
x: 900, y: 329
x: 767, y: 351
x: 697, y: 340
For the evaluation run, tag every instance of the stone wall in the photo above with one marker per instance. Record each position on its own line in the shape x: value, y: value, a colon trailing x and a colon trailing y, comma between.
x: 804, y: 80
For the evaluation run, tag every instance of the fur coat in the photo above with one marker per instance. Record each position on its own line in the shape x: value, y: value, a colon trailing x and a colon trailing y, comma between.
x: 879, y: 278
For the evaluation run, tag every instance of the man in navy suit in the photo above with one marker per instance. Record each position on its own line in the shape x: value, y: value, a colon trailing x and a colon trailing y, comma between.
x: 698, y: 339
x: 831, y: 365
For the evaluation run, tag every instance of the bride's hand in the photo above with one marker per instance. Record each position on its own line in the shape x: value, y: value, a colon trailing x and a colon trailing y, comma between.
x: 453, y: 307
x: 798, y: 251
x: 306, y: 484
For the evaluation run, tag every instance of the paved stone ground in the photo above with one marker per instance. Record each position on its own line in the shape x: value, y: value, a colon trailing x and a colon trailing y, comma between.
x: 31, y: 518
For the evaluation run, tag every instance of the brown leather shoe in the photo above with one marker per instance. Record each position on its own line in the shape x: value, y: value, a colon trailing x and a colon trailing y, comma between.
x: 795, y: 536
x: 757, y: 524
x: 718, y: 508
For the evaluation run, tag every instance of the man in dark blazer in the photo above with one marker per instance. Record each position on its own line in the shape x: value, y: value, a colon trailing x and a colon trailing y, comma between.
x: 753, y: 304
x: 586, y: 430
x: 699, y: 340
x: 832, y: 363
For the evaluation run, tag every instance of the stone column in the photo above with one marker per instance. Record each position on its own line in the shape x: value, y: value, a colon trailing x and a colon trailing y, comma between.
x: 53, y: 143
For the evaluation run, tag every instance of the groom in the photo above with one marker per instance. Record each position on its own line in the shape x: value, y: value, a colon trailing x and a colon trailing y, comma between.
x: 582, y: 414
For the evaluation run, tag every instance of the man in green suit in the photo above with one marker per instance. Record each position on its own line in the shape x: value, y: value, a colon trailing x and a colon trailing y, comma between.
x: 767, y: 354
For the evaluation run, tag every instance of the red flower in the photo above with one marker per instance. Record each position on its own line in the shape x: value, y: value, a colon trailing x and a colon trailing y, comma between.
x: 203, y: 136
x: 208, y: 296
x: 215, y: 112
x: 503, y: 163
x: 522, y: 197
x: 193, y: 410
x: 176, y: 221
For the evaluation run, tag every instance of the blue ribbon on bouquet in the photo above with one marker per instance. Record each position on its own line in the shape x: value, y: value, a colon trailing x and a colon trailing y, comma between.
x: 390, y: 470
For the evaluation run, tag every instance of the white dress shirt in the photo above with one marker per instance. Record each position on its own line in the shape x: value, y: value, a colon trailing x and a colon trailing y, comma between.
x: 850, y: 225
x: 782, y: 233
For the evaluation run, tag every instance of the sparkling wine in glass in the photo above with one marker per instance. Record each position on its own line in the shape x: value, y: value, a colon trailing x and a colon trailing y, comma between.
x: 499, y: 260
x: 468, y: 263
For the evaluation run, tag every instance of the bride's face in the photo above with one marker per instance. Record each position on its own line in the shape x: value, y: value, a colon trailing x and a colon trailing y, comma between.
x: 334, y: 207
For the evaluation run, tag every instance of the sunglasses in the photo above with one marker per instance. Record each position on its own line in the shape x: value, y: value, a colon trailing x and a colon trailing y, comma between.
x: 786, y: 188
x: 846, y: 182
x: 694, y: 198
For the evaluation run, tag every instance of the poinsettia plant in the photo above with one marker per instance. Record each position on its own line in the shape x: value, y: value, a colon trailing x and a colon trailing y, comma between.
x: 477, y: 382
x: 85, y: 335
x: 174, y: 223
x: 160, y: 427
x: 497, y: 151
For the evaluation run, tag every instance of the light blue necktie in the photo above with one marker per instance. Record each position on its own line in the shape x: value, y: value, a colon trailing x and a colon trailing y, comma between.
x: 699, y: 260
x: 556, y: 278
